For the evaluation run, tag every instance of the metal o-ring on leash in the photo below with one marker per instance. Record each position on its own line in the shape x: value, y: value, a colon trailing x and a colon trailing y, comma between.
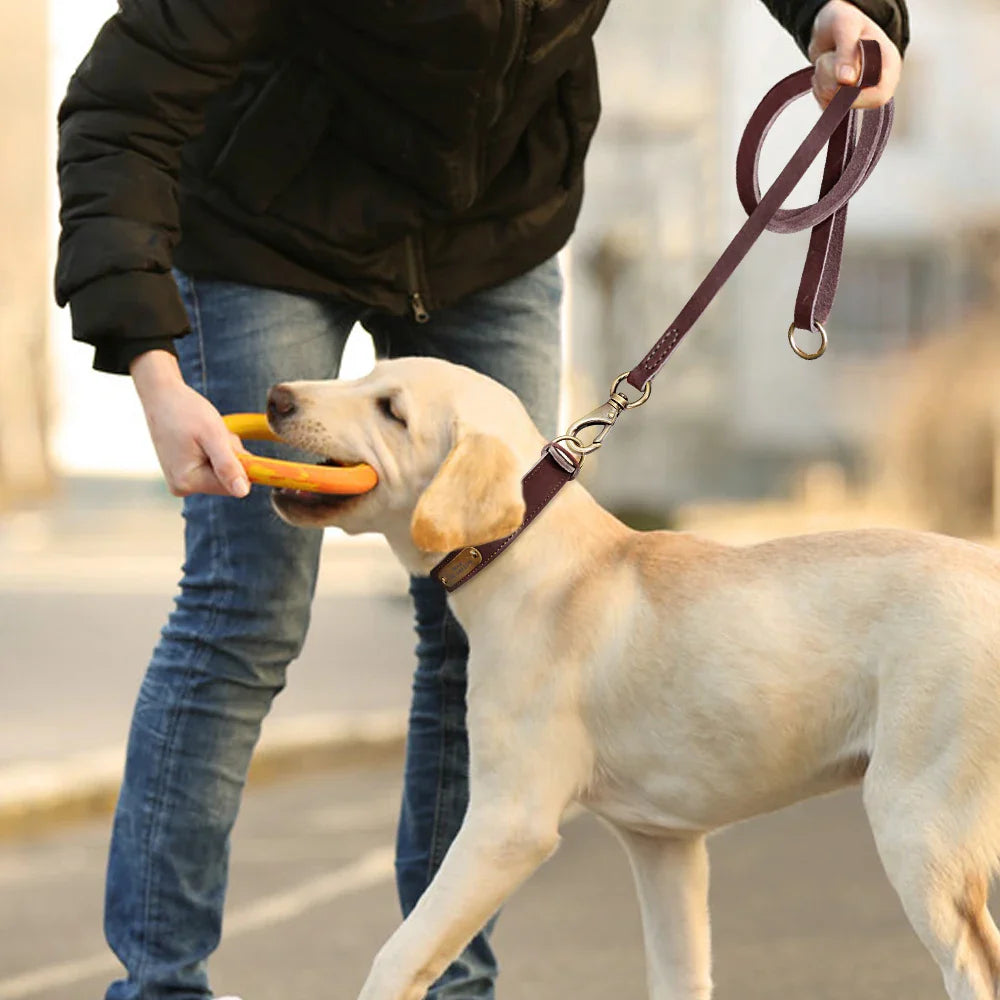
x: 647, y: 388
x: 806, y: 355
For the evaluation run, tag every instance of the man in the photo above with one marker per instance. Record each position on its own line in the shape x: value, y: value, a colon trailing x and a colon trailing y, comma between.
x: 242, y: 181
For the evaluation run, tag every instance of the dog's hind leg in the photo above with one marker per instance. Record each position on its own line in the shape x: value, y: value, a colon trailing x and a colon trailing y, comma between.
x: 671, y: 876
x: 943, y: 887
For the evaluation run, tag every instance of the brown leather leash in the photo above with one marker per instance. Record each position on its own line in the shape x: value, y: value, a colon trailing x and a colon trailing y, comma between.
x: 851, y: 156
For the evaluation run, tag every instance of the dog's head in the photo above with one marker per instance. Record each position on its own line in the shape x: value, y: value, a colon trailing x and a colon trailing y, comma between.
x: 450, y: 447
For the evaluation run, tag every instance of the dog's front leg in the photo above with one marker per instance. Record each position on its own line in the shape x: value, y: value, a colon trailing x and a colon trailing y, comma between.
x: 496, y: 849
x: 671, y: 876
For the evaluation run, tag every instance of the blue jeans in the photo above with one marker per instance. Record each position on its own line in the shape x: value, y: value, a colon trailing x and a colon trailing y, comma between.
x: 241, y: 617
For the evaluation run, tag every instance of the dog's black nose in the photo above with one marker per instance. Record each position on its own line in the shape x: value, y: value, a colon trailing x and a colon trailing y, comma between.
x: 280, y: 403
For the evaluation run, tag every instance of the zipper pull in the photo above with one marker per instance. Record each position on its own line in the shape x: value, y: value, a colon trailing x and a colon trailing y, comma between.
x: 420, y: 314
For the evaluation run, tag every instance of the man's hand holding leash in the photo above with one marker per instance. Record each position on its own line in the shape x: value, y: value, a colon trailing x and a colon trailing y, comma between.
x: 838, y: 28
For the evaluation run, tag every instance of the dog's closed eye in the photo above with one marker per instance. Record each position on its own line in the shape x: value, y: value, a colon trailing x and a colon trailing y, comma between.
x: 389, y: 409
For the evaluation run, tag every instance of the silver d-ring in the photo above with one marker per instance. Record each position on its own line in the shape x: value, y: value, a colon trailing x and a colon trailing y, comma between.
x: 575, y: 445
x: 805, y: 355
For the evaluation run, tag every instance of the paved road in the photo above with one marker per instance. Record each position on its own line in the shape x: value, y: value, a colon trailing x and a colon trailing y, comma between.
x: 71, y: 663
x: 800, y: 907
x: 85, y: 587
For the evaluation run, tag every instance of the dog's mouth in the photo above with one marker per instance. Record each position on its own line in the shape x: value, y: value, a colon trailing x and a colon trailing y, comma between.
x: 310, y: 505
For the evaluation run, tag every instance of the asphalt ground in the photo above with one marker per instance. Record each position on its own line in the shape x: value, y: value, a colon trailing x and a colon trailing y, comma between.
x: 799, y: 902
x: 72, y: 662
x: 87, y: 582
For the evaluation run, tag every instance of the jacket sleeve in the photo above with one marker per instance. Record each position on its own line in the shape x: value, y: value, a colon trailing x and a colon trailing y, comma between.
x: 797, y: 17
x: 134, y: 101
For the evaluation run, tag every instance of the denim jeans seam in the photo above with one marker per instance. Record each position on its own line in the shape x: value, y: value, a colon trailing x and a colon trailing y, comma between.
x: 434, y: 856
x: 151, y: 889
x: 199, y: 332
x: 166, y: 758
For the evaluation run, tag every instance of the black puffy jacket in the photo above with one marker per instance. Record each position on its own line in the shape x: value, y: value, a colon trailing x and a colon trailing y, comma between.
x: 396, y: 153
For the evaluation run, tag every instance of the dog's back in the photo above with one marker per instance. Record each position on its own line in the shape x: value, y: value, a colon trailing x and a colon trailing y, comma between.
x: 753, y: 677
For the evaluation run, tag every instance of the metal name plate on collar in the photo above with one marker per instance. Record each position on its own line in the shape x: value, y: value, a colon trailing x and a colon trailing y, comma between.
x: 460, y: 566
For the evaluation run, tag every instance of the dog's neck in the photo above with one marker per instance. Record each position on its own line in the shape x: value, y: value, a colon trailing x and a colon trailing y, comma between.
x: 572, y: 530
x: 573, y: 526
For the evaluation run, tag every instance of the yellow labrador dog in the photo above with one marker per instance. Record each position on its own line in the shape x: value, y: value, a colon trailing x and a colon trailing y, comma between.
x: 673, y: 685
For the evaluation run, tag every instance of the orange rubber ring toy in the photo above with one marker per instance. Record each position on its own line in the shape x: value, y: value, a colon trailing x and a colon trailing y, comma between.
x: 339, y: 479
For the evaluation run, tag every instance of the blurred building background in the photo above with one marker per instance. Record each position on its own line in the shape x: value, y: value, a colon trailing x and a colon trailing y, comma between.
x: 735, y: 416
x: 25, y: 467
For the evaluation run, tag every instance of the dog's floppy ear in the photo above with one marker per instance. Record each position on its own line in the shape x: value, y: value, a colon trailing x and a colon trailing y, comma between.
x: 475, y: 497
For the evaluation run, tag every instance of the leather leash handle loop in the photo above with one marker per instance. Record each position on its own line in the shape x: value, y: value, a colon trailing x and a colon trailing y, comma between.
x: 850, y: 159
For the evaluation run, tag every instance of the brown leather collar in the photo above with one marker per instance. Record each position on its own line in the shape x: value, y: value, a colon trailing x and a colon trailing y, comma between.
x: 555, y: 469
x: 851, y: 157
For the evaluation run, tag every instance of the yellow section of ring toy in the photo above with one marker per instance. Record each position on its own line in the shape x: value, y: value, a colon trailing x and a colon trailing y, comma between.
x: 339, y: 479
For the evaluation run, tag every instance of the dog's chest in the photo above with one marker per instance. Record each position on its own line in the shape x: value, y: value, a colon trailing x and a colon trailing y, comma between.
x: 631, y: 808
x: 652, y: 790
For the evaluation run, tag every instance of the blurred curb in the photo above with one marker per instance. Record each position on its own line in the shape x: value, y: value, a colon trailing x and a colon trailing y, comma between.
x: 38, y: 796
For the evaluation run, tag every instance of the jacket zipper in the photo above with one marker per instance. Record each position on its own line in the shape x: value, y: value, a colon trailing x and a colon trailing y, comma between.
x: 518, y: 41
x: 515, y: 46
x: 514, y: 51
x: 414, y: 295
x: 491, y: 110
